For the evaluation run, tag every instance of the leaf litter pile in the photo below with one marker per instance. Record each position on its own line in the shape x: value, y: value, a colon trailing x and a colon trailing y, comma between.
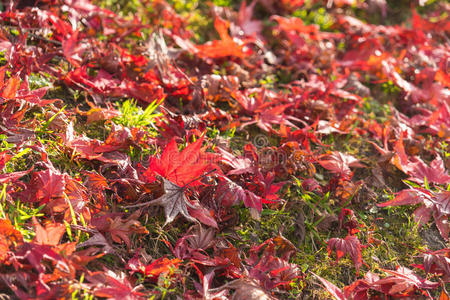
x: 225, y: 150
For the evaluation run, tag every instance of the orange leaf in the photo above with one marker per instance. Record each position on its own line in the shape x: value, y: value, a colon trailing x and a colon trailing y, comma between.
x: 9, y: 236
x: 161, y: 266
x: 12, y: 85
x: 50, y: 235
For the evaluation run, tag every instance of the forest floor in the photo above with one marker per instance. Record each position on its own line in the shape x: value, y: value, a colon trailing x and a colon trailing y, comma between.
x: 272, y: 149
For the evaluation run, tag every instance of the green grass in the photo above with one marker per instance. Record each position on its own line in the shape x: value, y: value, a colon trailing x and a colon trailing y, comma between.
x: 133, y: 115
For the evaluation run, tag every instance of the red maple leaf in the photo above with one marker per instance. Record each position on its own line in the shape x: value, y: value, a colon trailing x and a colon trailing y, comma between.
x: 339, y: 163
x: 272, y: 268
x: 403, y: 282
x: 160, y: 266
x: 5, y: 178
x: 180, y: 170
x: 350, y: 245
x: 249, y: 26
x: 73, y: 49
x: 10, y: 88
x: 9, y: 238
x: 227, y: 46
x: 275, y: 115
x: 230, y: 193
x: 436, y: 204
x: 331, y: 288
x: 114, y: 286
x: 239, y: 164
x: 120, y: 229
x: 434, y: 173
x: 182, y: 167
x: 437, y: 262
x: 47, y: 185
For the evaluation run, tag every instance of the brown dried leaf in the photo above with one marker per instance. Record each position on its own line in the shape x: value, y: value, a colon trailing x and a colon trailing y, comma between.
x: 174, y: 202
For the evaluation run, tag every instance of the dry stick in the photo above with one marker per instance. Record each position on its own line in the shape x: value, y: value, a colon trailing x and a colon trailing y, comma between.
x: 182, y: 189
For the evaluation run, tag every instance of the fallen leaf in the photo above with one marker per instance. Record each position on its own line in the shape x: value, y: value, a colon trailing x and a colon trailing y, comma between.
x: 50, y: 235
x: 339, y: 163
x: 174, y: 202
x: 9, y: 238
x: 350, y: 245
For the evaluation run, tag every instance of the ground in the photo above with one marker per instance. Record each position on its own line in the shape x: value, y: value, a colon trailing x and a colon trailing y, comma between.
x: 224, y: 149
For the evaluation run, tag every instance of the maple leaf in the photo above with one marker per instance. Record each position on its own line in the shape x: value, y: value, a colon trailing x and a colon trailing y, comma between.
x: 357, y: 290
x: 10, y: 88
x: 96, y: 185
x: 402, y: 281
x: 230, y: 193
x: 269, y: 187
x: 245, y: 19
x: 350, y: 245
x: 179, y: 170
x: 161, y: 266
x: 119, y: 138
x: 113, y: 286
x: 174, y: 202
x: 36, y: 255
x: 200, y: 238
x: 245, y: 289
x: 203, y: 215
x: 47, y: 185
x: 295, y: 24
x: 224, y: 47
x: 98, y: 239
x: 73, y: 49
x: 434, y: 173
x: 338, y: 162
x: 273, y: 272
x: 436, y: 204
x: 81, y: 144
x: 411, y: 90
x: 9, y: 238
x: 11, y: 177
x: 437, y: 262
x: 183, y: 167
x: 50, y: 235
x: 352, y: 225
x: 264, y: 118
x: 272, y: 268
x: 205, y: 288
x: 239, y: 164
x: 331, y: 288
x: 120, y: 229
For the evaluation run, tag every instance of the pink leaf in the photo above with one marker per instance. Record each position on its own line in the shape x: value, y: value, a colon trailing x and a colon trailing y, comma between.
x: 340, y: 163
